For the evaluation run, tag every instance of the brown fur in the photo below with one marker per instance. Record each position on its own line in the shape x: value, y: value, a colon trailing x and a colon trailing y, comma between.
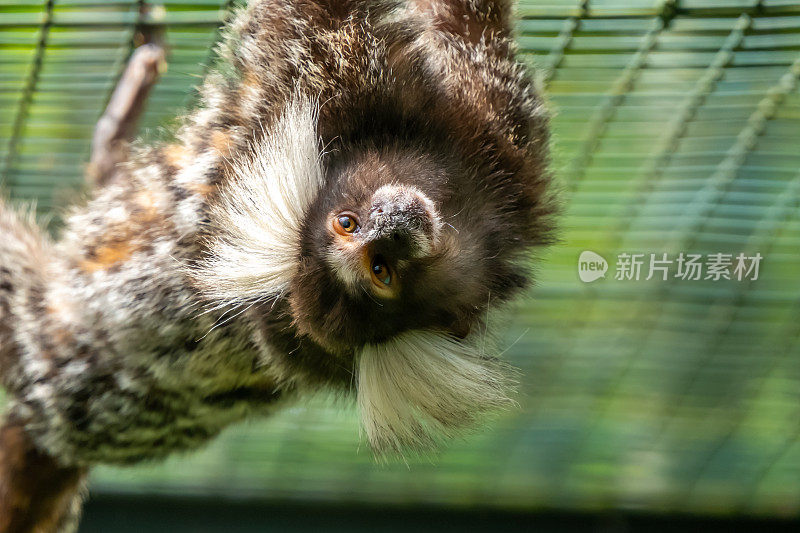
x: 37, y: 495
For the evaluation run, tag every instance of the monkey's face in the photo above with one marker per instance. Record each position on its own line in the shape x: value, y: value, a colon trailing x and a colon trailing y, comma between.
x: 379, y: 258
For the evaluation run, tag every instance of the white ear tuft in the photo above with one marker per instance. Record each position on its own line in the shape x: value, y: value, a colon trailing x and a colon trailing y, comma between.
x: 425, y: 385
x: 254, y: 249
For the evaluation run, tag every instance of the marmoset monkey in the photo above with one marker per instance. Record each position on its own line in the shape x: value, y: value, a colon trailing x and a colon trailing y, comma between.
x: 359, y: 182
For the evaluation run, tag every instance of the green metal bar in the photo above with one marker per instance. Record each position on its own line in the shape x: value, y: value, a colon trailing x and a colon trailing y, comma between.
x: 27, y: 96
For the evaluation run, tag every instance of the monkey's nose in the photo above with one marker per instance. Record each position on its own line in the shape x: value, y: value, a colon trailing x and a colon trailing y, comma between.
x: 403, y: 221
x: 395, y: 241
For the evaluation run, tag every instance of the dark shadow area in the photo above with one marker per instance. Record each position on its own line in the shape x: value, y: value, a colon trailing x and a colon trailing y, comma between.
x: 124, y: 514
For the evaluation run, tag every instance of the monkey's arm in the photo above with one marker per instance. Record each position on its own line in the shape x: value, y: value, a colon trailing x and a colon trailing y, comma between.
x: 468, y: 19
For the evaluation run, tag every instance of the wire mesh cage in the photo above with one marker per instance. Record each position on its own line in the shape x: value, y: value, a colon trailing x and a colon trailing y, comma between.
x: 676, y: 131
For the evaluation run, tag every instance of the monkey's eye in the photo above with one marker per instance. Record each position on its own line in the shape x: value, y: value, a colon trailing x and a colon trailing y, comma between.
x: 345, y: 223
x: 381, y: 272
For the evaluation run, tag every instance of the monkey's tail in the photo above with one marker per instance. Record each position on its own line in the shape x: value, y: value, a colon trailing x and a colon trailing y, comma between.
x: 24, y: 253
x: 37, y: 494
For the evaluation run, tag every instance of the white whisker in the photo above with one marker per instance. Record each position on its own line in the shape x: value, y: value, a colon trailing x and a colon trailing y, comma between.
x: 257, y: 218
x: 515, y: 342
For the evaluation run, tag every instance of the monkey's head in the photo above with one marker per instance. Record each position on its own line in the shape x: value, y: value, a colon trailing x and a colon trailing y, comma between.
x: 385, y: 258
x: 372, y: 232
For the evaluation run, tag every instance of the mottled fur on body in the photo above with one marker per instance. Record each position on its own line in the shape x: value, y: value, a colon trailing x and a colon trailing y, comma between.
x: 203, y: 285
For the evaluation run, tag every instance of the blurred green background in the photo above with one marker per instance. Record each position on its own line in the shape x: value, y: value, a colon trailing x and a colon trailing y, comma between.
x: 677, y: 129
